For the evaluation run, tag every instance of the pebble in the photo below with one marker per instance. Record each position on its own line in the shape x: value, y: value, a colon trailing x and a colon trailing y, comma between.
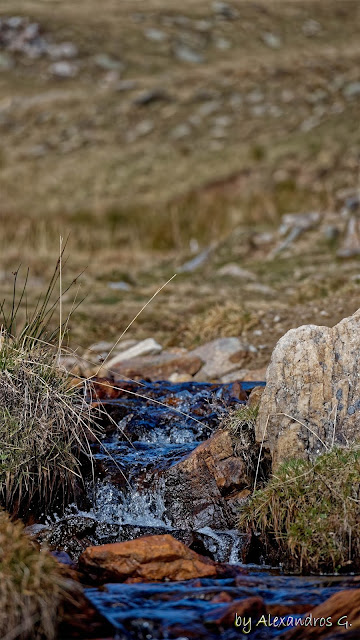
x: 186, y: 54
x: 208, y: 108
x: 63, y: 50
x: 119, y: 286
x: 223, y: 44
x: 126, y: 85
x: 352, y: 90
x: 255, y: 96
x: 143, y: 128
x: 148, y: 97
x: 202, y: 25
x: 218, y: 133
x: 236, y: 101
x: 311, y: 28
x: 271, y: 40
x: 181, y: 131
x: 103, y: 61
x: 64, y: 69
x: 156, y: 35
x: 6, y: 62
x: 224, y: 10
x: 222, y: 121
x: 235, y: 271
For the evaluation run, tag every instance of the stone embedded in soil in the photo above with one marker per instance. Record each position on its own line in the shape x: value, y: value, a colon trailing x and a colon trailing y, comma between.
x: 351, y: 243
x: 221, y: 356
x: 312, y: 397
x: 235, y: 271
x: 148, y: 347
x: 344, y: 606
x: 159, y: 367
x: 197, y: 485
x: 246, y: 375
x: 150, y: 558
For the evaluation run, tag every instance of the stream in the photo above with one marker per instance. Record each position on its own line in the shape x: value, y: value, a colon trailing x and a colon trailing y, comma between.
x: 145, y: 437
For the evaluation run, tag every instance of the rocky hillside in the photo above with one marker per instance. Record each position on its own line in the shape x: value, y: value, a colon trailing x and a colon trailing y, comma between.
x: 156, y: 135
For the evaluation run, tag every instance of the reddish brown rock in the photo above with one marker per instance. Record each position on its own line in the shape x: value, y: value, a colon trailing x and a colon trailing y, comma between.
x: 159, y: 367
x: 197, y: 485
x: 225, y: 616
x: 344, y: 606
x: 286, y: 609
x: 146, y: 559
x: 223, y: 596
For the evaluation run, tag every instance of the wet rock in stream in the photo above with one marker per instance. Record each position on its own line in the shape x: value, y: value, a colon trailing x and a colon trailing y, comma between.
x: 165, y: 471
x: 153, y: 475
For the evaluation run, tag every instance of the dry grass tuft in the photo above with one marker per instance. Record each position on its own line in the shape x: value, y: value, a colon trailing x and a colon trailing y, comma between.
x: 221, y: 321
x: 43, y: 431
x: 31, y: 586
x: 44, y: 422
x: 308, y: 515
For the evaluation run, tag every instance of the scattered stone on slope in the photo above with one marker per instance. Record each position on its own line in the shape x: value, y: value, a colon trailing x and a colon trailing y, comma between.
x: 350, y: 246
x: 64, y: 69
x: 312, y: 397
x: 158, y: 367
x: 222, y: 356
x: 186, y: 54
x: 293, y: 225
x: 235, y: 271
x: 148, y: 347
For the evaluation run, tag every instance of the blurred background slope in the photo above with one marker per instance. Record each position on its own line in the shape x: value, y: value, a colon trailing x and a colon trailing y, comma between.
x: 153, y: 132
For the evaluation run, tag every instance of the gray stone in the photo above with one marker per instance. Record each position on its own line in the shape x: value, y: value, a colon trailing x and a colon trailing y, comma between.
x: 144, y: 348
x: 311, y: 28
x: 224, y: 10
x: 156, y: 35
x: 352, y: 90
x: 202, y: 25
x: 220, y: 357
x: 103, y: 61
x: 222, y: 121
x: 312, y: 398
x: 186, y: 54
x: 64, y: 50
x: 64, y: 69
x: 271, y: 40
x: 126, y: 85
x: 6, y: 62
x: 351, y: 244
x: 208, y: 108
x: 119, y: 286
x: 255, y: 96
x: 181, y: 131
x: 196, y: 262
x: 235, y: 271
x: 223, y: 44
x: 150, y: 96
x: 142, y: 129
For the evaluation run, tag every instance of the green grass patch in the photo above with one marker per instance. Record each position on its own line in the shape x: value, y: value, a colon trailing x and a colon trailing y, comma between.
x: 308, y: 515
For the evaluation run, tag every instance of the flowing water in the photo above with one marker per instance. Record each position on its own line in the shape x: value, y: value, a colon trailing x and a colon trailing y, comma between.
x: 148, y: 436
